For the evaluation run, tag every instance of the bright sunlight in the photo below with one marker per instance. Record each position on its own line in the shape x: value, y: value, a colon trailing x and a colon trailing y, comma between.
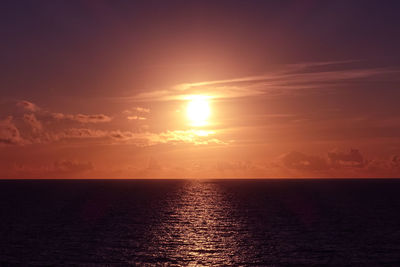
x: 198, y: 110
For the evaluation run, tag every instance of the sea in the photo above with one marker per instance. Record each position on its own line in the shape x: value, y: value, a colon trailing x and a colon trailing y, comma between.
x: 276, y: 222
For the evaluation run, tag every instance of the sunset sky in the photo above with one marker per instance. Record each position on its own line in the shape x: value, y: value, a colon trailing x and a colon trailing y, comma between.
x: 199, y: 89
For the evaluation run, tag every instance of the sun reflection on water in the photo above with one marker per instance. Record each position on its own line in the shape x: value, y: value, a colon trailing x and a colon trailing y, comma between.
x: 200, y: 230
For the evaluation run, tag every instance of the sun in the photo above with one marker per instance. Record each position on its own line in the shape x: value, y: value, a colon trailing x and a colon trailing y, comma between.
x: 198, y: 111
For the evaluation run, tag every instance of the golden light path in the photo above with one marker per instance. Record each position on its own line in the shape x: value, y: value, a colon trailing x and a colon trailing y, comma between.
x: 199, y: 227
x: 198, y: 110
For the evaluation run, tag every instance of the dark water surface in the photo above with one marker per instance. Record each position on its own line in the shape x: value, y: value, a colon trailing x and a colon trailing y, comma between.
x: 200, y: 223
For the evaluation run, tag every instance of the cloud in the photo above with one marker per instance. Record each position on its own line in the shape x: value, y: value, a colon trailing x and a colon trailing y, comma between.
x: 291, y: 77
x: 38, y: 125
x: 336, y: 164
x: 45, y: 127
x: 82, y: 118
x: 168, y: 137
x: 301, y: 161
x: 80, y: 133
x: 332, y: 161
x: 32, y: 121
x: 142, y: 139
x: 137, y: 113
x: 381, y: 167
x: 9, y: 133
x: 349, y: 159
x: 28, y: 106
x: 395, y: 162
x: 136, y: 118
x: 142, y: 110
x: 197, y: 137
x: 136, y: 110
x: 68, y: 166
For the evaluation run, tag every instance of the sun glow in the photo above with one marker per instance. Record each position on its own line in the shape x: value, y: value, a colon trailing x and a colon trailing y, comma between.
x: 198, y: 110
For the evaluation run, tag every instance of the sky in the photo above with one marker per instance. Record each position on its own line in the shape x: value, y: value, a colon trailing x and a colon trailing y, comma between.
x: 199, y: 89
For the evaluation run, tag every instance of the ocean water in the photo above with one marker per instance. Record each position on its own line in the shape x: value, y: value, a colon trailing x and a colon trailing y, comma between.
x: 200, y: 223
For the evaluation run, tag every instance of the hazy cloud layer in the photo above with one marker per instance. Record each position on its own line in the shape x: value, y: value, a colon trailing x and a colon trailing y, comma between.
x: 290, y: 77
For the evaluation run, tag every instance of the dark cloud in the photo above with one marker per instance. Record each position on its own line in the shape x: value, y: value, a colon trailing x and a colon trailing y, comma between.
x: 45, y: 114
x: 341, y: 162
x: 395, y: 161
x: 80, y: 133
x: 301, y: 161
x: 82, y: 118
x: 347, y: 159
x: 37, y: 125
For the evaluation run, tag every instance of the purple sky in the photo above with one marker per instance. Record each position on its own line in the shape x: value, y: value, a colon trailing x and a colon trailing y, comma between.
x: 99, y: 89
